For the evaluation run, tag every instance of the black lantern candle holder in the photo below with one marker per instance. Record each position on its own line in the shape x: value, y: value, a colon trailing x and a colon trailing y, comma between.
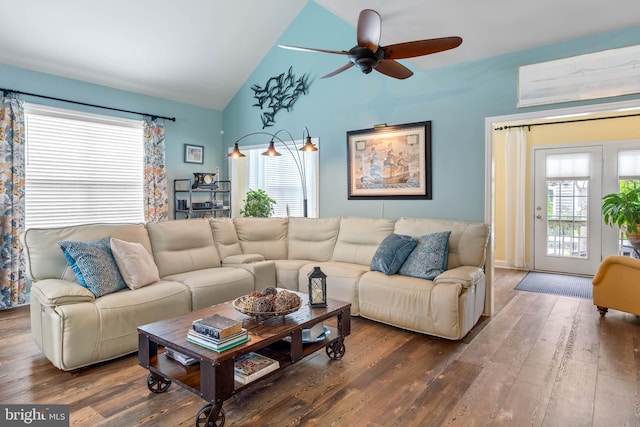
x: 317, y: 288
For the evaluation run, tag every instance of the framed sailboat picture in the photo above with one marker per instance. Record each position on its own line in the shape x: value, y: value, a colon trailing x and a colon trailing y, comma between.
x: 390, y: 162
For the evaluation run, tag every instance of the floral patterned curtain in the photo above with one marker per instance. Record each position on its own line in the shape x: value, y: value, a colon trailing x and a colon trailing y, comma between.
x: 13, y: 287
x: 156, y: 195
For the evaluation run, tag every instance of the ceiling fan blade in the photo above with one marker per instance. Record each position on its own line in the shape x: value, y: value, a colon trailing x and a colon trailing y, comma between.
x: 420, y: 47
x: 394, y: 69
x: 338, y: 71
x: 310, y: 49
x: 369, y: 28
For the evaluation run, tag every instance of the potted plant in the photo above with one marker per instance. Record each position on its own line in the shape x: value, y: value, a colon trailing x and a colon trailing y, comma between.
x: 258, y: 204
x: 623, y: 210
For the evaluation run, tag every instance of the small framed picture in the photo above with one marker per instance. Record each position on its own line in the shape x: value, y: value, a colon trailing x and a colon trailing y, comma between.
x: 193, y: 153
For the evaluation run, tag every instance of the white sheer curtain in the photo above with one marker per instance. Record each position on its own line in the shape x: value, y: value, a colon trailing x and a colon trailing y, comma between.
x: 515, y: 174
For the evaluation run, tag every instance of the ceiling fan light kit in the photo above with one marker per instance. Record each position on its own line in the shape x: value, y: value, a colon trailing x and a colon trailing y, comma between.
x: 368, y: 55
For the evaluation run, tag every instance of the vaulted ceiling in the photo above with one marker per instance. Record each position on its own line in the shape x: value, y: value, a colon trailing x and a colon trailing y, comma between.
x: 202, y: 51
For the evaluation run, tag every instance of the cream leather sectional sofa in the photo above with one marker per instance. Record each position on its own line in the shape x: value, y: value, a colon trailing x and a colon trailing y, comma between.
x: 208, y: 261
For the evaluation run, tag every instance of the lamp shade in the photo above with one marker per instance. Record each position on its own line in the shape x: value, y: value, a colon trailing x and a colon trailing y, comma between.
x: 271, y: 151
x: 308, y: 146
x: 236, y: 152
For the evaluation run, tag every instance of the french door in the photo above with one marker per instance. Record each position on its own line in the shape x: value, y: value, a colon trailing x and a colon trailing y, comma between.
x: 567, y: 220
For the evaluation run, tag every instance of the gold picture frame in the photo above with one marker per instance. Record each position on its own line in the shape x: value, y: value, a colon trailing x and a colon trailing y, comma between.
x: 390, y: 162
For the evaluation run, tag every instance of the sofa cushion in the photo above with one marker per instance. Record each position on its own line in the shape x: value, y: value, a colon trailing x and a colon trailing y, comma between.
x: 224, y: 234
x: 287, y: 271
x: 358, y: 239
x: 264, y: 236
x: 392, y: 253
x: 94, y: 265
x: 215, y: 285
x: 429, y: 258
x: 136, y: 265
x: 342, y: 280
x: 45, y: 260
x: 312, y: 238
x: 412, y: 303
x: 183, y: 245
x: 467, y: 243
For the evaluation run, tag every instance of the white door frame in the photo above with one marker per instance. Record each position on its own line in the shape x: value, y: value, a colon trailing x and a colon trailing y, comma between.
x: 490, y: 123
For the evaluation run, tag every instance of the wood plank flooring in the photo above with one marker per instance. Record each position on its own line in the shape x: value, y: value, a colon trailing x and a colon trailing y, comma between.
x: 542, y: 360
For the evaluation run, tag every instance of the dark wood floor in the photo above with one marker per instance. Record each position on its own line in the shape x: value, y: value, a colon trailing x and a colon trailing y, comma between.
x: 542, y: 360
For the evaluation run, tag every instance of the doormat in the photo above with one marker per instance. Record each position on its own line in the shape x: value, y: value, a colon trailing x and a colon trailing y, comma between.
x: 557, y: 284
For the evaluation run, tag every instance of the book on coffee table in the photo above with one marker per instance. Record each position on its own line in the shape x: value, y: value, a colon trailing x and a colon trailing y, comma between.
x: 251, y: 366
x: 179, y: 357
x: 217, y: 326
x: 243, y: 333
x: 217, y: 345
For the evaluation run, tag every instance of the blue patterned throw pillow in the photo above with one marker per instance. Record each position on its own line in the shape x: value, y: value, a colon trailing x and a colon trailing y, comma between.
x: 392, y: 252
x: 94, y: 265
x: 429, y: 258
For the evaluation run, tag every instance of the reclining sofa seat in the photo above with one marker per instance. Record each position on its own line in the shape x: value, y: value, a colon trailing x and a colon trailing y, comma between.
x: 256, y: 244
x: 69, y: 324
x: 341, y: 247
x: 451, y: 304
x: 355, y: 245
x: 185, y: 252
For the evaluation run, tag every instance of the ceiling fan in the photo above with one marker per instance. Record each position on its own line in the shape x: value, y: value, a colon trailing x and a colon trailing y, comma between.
x: 369, y: 55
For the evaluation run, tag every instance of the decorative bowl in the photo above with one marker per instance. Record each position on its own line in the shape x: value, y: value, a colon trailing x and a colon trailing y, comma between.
x: 238, y: 305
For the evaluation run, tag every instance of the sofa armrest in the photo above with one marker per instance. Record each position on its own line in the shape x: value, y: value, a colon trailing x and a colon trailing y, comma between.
x: 466, y: 275
x: 59, y: 292
x: 264, y: 272
x: 234, y: 260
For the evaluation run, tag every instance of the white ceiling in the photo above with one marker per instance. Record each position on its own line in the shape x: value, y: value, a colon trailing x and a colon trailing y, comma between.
x: 174, y: 49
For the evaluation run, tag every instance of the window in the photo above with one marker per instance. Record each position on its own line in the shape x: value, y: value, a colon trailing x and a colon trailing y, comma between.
x: 628, y: 176
x: 82, y: 168
x: 278, y: 177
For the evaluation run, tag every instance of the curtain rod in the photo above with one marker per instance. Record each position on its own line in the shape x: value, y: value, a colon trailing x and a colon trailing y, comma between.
x: 565, y: 121
x: 153, y: 116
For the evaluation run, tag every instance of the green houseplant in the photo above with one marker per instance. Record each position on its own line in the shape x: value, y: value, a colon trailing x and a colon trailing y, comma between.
x: 258, y: 204
x: 623, y: 210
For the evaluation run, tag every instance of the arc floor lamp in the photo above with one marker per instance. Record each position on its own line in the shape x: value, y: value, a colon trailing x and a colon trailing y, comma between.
x: 297, y: 153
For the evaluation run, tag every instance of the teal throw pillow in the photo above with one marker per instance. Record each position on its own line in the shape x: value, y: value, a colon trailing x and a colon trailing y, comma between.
x: 429, y: 258
x: 94, y: 265
x: 392, y: 252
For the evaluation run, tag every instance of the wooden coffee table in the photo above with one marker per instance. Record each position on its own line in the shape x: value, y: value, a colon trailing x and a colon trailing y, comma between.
x: 212, y: 377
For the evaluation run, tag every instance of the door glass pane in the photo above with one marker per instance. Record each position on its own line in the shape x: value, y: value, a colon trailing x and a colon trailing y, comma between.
x: 567, y: 218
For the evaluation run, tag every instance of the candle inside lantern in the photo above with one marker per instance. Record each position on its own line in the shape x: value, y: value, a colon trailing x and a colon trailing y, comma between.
x: 317, y: 296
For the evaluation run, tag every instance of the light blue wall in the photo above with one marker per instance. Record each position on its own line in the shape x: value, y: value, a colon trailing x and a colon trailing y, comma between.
x: 456, y: 99
x: 193, y: 125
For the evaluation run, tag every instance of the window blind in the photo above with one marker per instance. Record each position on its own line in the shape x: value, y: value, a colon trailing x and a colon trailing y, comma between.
x: 568, y: 166
x: 629, y: 164
x: 82, y: 168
